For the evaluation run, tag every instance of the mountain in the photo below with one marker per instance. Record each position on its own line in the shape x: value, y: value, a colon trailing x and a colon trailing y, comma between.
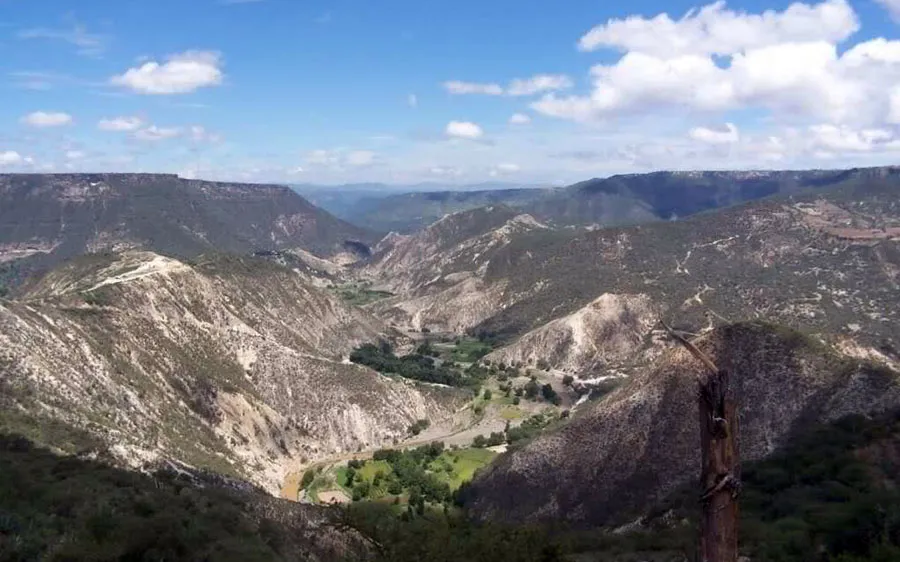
x: 437, y: 274
x: 46, y: 219
x: 405, y: 209
x: 637, y: 198
x: 232, y: 364
x: 630, y: 451
x: 410, y: 212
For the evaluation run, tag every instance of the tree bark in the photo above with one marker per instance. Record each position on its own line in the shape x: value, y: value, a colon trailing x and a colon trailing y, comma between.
x: 720, y: 474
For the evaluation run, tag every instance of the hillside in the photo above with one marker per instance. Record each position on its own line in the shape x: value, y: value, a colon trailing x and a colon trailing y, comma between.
x: 46, y: 219
x: 637, y: 198
x: 634, y: 448
x: 409, y: 212
x: 232, y: 364
x: 438, y: 273
x: 825, y: 262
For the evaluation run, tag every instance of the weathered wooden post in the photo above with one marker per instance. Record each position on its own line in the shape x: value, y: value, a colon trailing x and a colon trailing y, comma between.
x: 720, y: 472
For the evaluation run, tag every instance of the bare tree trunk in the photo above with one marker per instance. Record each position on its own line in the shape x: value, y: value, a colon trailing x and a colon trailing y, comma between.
x: 720, y: 472
x: 720, y: 475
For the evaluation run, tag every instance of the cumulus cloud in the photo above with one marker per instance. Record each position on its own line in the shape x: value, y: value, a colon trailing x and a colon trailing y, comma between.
x: 458, y: 87
x: 180, y: 74
x: 727, y: 135
x: 893, y: 8
x: 787, y: 63
x: 75, y: 155
x: 120, y: 124
x: 714, y: 29
x: 519, y: 119
x: 44, y: 119
x: 154, y: 133
x: 10, y: 158
x: 831, y: 138
x: 463, y: 130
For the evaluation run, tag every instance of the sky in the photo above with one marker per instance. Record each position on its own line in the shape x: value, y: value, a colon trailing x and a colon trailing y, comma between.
x: 462, y: 91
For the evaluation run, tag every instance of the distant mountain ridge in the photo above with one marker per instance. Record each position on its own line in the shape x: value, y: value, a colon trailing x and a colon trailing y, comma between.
x: 635, y: 198
x: 46, y: 219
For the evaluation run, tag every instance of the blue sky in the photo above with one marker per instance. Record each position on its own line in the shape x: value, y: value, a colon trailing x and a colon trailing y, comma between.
x: 457, y: 92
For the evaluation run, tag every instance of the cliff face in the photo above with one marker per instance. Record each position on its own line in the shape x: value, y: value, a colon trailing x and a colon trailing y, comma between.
x: 231, y: 364
x: 46, y: 219
x: 633, y: 448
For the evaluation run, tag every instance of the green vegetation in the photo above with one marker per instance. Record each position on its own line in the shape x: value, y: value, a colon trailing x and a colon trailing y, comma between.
x: 426, y: 475
x: 511, y: 435
x: 65, y: 508
x: 469, y: 350
x: 418, y: 427
x: 416, y: 366
x: 359, y: 294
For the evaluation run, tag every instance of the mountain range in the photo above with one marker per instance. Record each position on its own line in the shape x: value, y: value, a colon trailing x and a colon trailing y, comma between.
x: 213, y: 327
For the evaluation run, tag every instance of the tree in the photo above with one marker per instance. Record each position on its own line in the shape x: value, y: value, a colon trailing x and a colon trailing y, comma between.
x: 531, y: 390
x: 568, y: 380
x: 516, y: 400
x: 488, y: 394
x: 308, y: 478
x: 720, y: 472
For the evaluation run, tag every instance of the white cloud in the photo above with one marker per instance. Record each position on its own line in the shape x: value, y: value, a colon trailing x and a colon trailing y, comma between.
x: 10, y: 158
x: 43, y: 119
x: 412, y: 100
x: 714, y: 29
x: 457, y: 87
x: 180, y: 74
x: 519, y: 119
x: 728, y: 135
x: 519, y: 87
x: 360, y: 158
x: 463, y: 130
x: 831, y: 138
x: 295, y: 171
x: 792, y: 80
x: 120, y: 124
x: 200, y: 134
x: 504, y: 169
x: 75, y: 155
x: 154, y: 133
x: 538, y: 84
x: 893, y: 8
x: 340, y: 159
x: 445, y: 171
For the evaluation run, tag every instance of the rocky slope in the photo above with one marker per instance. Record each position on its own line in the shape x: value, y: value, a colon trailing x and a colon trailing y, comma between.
x: 639, y: 444
x: 608, y: 335
x: 233, y: 364
x: 827, y: 262
x: 46, y: 219
x: 439, y: 273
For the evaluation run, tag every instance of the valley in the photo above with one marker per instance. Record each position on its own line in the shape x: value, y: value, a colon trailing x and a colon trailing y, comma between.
x: 501, y: 366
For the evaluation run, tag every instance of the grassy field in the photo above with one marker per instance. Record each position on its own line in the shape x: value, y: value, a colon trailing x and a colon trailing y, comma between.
x: 468, y: 350
x: 458, y: 467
